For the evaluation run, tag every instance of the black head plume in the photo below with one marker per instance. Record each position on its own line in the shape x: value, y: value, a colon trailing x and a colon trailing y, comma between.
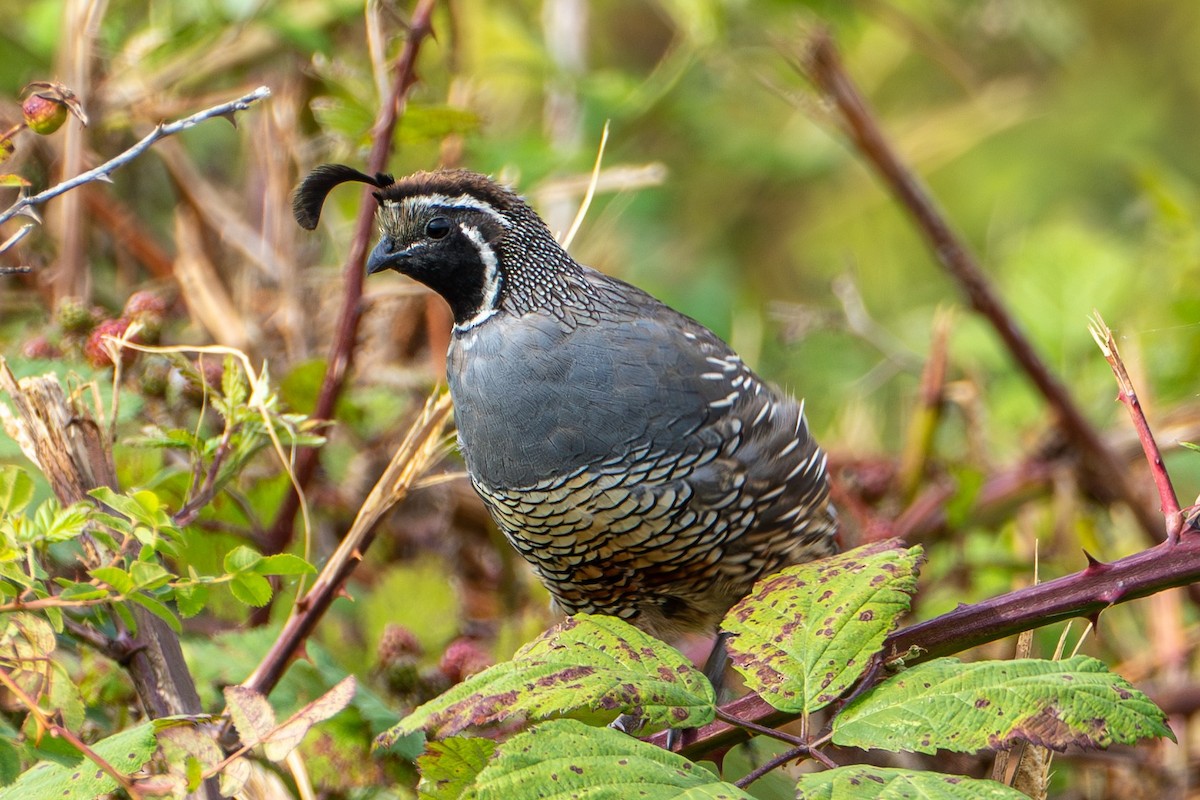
x: 310, y: 194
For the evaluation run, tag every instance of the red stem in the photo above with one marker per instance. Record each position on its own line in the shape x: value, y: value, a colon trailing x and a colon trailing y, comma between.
x: 341, y: 355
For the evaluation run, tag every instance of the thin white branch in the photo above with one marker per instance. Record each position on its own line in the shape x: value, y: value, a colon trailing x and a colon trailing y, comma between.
x: 100, y: 173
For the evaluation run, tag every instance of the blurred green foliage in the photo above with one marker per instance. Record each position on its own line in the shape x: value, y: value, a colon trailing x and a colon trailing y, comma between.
x: 1058, y: 136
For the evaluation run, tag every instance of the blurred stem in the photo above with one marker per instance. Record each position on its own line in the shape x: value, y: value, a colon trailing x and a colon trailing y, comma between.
x: 341, y: 355
x: 919, y: 445
x: 71, y: 277
x: 822, y: 66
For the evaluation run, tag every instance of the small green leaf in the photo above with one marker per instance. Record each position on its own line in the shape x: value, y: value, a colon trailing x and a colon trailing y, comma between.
x: 156, y: 607
x: 127, y: 617
x: 284, y: 564
x: 566, y: 758
x: 117, y: 578
x: 64, y: 524
x: 242, y: 559
x: 948, y: 705
x: 175, y: 439
x: 251, y: 588
x: 73, y: 590
x: 122, y: 504
x: 590, y: 666
x: 149, y: 575
x: 126, y: 751
x: 450, y: 766
x: 190, y: 599
x: 862, y: 782
x: 806, y: 634
x: 16, y: 489
x: 233, y: 383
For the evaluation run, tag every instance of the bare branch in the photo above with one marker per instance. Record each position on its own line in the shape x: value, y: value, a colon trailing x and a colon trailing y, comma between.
x: 25, y: 205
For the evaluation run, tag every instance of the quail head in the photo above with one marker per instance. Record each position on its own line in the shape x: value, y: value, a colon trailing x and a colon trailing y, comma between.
x: 624, y: 450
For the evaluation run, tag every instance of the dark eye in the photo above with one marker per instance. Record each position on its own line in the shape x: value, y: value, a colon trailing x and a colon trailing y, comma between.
x: 437, y: 228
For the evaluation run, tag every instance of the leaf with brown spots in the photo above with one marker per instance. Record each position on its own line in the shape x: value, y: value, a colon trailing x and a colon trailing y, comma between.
x: 861, y: 782
x: 450, y: 766
x: 589, y: 666
x: 126, y: 752
x: 567, y: 759
x: 948, y: 705
x: 806, y: 634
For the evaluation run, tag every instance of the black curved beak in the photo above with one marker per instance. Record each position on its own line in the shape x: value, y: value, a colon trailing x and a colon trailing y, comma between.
x: 385, y: 256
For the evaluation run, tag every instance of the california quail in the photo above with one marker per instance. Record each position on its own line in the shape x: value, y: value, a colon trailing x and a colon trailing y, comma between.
x: 625, y: 451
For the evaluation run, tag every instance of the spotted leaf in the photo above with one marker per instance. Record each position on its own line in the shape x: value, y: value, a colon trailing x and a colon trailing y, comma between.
x: 805, y: 635
x: 862, y: 782
x: 126, y: 752
x: 591, y: 667
x: 567, y: 759
x: 948, y: 705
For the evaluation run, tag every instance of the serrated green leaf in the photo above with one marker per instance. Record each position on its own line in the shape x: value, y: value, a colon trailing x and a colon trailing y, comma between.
x: 283, y: 564
x: 948, y: 705
x: 16, y: 489
x: 805, y: 635
x: 589, y: 666
x: 126, y: 751
x: 861, y: 782
x: 448, y: 767
x: 565, y: 758
x: 190, y: 599
x: 117, y: 578
x: 251, y: 588
x: 64, y: 524
x: 241, y: 559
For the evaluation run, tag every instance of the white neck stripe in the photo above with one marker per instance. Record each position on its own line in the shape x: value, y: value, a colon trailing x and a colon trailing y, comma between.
x: 491, y: 278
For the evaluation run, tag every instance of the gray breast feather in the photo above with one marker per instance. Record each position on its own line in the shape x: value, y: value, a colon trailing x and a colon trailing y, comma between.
x: 535, y: 399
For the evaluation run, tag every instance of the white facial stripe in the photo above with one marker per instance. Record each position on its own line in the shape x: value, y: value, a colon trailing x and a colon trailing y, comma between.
x: 491, y: 277
x: 432, y: 201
